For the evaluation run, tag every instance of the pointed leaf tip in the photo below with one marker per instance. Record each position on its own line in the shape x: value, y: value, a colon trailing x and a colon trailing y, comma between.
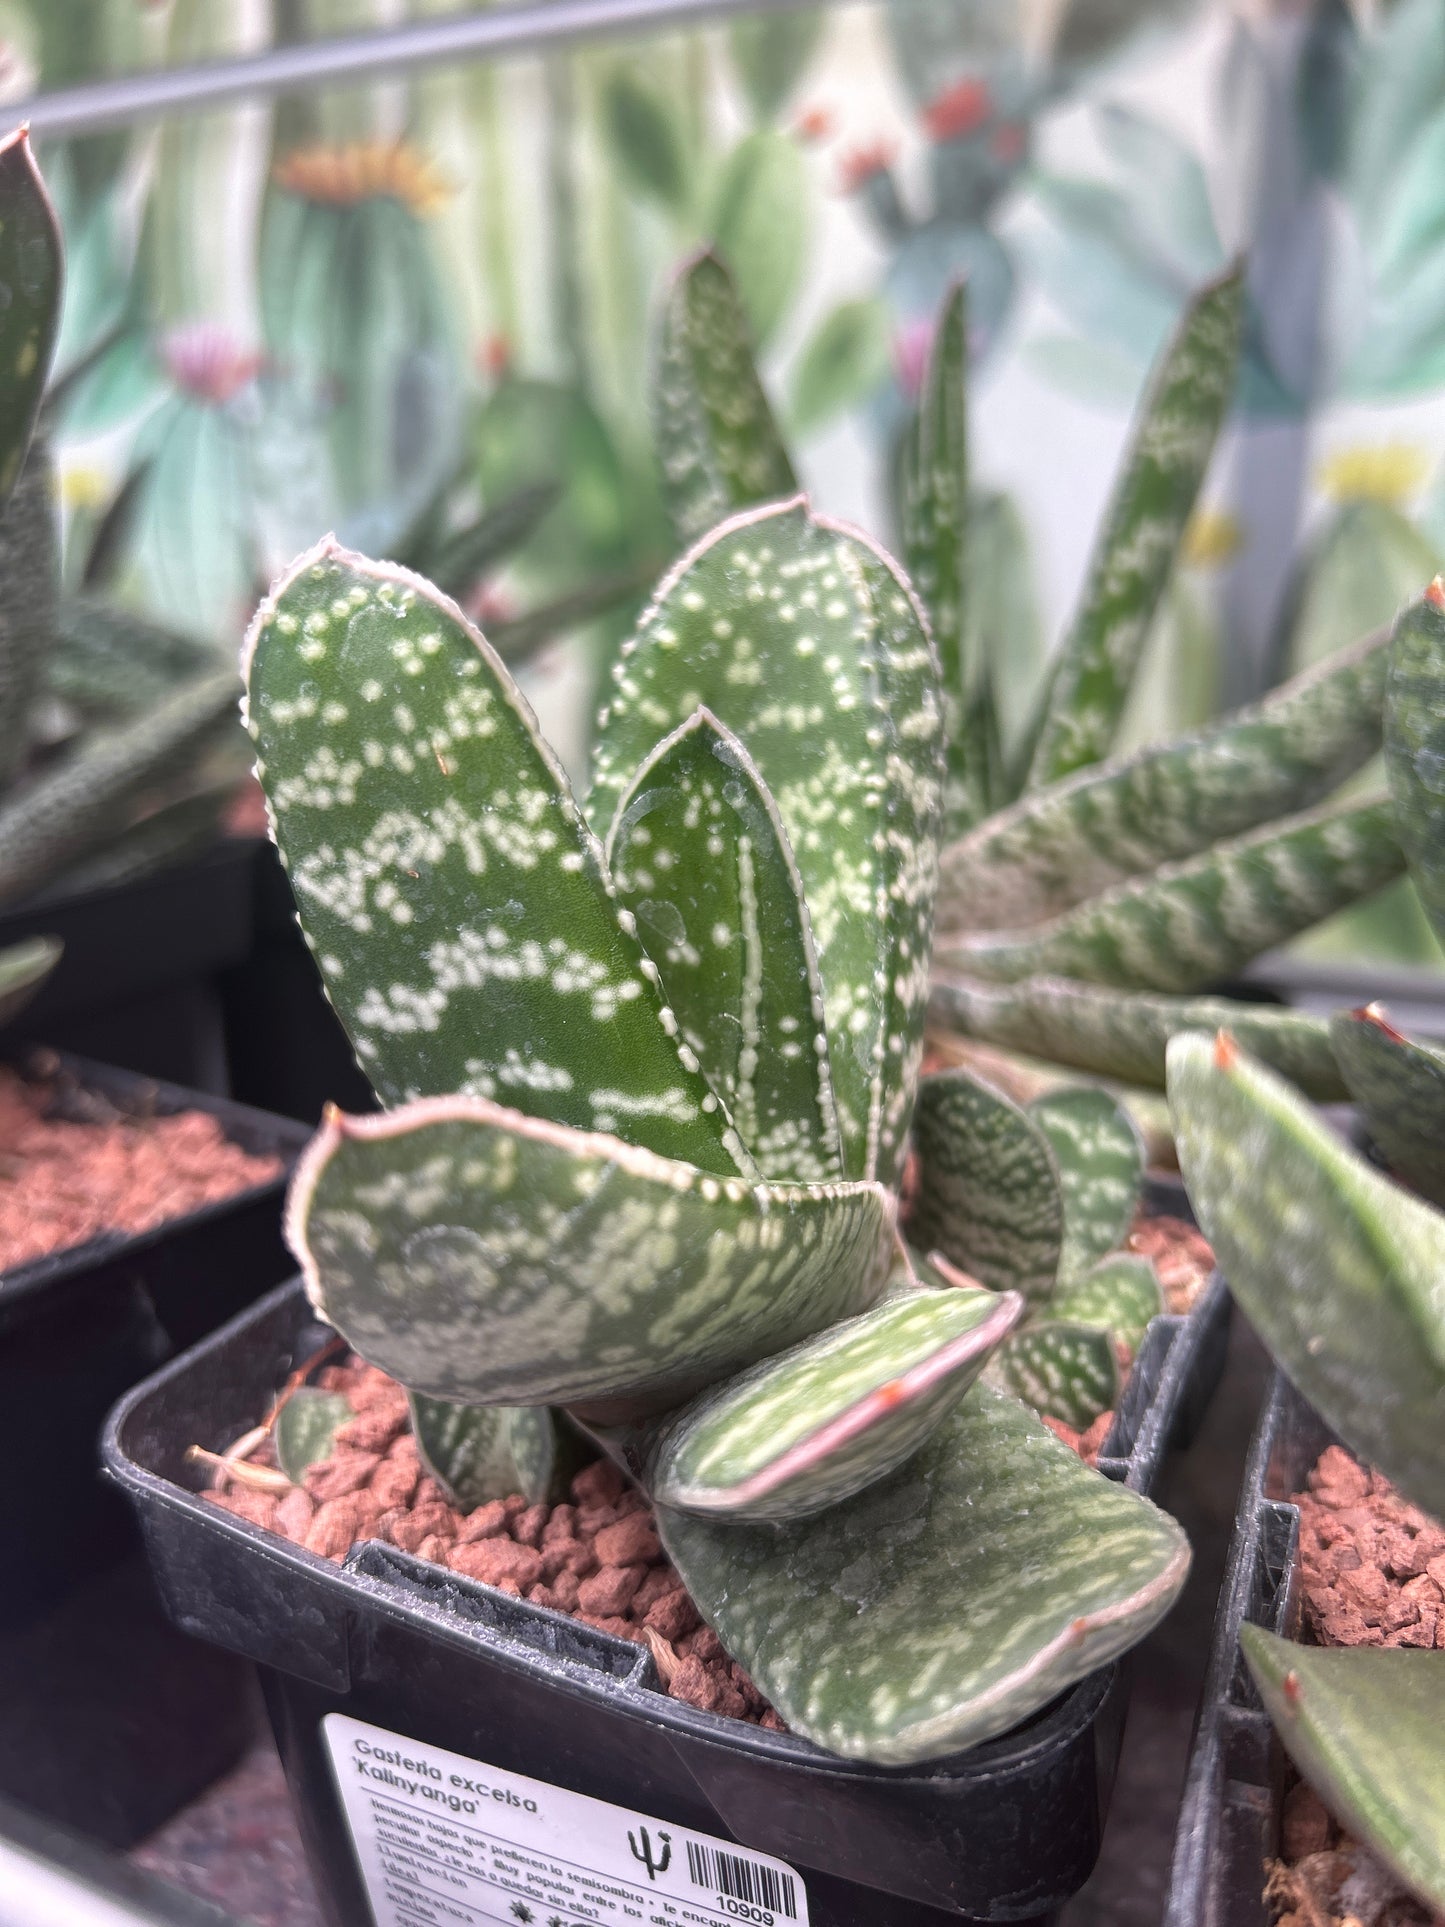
x: 1435, y: 594
x: 1226, y: 1051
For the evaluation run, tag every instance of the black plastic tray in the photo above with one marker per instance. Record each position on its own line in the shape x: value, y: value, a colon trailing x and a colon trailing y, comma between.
x: 1006, y: 1831
x: 1229, y: 1819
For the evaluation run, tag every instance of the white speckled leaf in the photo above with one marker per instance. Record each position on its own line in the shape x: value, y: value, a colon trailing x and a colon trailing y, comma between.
x: 701, y: 860
x: 989, y: 1196
x: 1366, y: 1727
x: 715, y: 435
x: 1340, y: 1271
x: 482, y: 1452
x: 306, y: 1428
x: 454, y: 897
x: 943, y: 1604
x: 1101, y: 1169
x: 1174, y: 435
x: 1123, y: 1035
x: 1415, y: 744
x: 812, y: 1427
x: 804, y: 640
x: 1069, y: 1371
x: 1400, y: 1086
x: 490, y: 1258
x: 1059, y: 845
x: 1118, y: 1295
x: 1191, y: 923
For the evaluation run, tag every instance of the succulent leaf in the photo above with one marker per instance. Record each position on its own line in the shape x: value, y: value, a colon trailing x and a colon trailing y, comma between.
x: 490, y: 1258
x: 803, y: 639
x: 989, y: 1195
x: 1101, y: 1170
x: 23, y: 969
x: 1400, y: 1086
x: 455, y: 899
x: 306, y: 1427
x: 1363, y: 1725
x: 31, y: 271
x: 945, y: 1603
x: 1340, y: 1271
x: 1066, y: 1370
x: 700, y: 858
x: 1118, y: 1295
x: 1415, y: 744
x: 810, y: 1428
x: 716, y: 439
x: 30, y: 572
x: 1174, y: 435
x: 1123, y: 1034
x: 1191, y: 923
x: 1059, y: 845
x: 481, y: 1452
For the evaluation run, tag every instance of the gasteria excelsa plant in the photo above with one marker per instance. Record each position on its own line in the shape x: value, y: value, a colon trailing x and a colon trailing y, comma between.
x: 650, y: 1073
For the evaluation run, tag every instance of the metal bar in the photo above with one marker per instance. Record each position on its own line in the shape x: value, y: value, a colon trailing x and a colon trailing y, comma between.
x: 98, y: 106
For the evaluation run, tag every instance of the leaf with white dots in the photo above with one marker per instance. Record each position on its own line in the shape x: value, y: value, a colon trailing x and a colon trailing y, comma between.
x: 493, y: 1259
x: 31, y: 270
x: 1399, y: 1084
x: 444, y: 876
x: 305, y: 1430
x: 481, y: 1452
x: 1119, y: 1295
x: 945, y: 1603
x: 829, y: 1417
x: 1415, y: 744
x: 1101, y: 1170
x: 701, y: 860
x: 1063, y: 1369
x: 806, y: 642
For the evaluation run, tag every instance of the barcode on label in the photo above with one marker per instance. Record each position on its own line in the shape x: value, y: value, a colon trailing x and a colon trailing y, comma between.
x: 739, y: 1879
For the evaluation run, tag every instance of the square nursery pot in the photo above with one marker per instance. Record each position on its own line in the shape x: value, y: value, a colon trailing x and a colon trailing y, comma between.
x: 109, y: 1719
x: 441, y: 1682
x: 135, y: 984
x: 1229, y: 1821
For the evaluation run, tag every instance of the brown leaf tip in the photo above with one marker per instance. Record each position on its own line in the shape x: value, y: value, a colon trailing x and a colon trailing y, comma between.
x: 1292, y: 1690
x: 1226, y: 1051
x: 1435, y: 594
x: 1375, y: 1014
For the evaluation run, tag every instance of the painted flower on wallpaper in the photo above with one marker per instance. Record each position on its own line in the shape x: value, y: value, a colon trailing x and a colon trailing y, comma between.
x: 347, y: 174
x: 204, y: 361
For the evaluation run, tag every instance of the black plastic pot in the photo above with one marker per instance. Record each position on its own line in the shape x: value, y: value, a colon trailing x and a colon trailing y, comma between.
x: 1006, y: 1831
x: 136, y: 983
x: 109, y: 1720
x: 1229, y: 1821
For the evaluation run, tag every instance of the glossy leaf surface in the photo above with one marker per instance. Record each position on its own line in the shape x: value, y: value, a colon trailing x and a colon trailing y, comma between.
x: 1118, y: 1295
x: 23, y: 969
x: 1067, y: 1370
x: 482, y: 1452
x: 1101, y: 1169
x: 1400, y: 1086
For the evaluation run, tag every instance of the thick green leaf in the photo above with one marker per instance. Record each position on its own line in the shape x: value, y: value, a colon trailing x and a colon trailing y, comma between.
x: 1059, y: 845
x: 809, y: 1429
x: 455, y: 899
x: 1400, y: 1087
x: 1119, y: 1295
x: 1101, y: 1169
x: 1174, y: 437
x: 1064, y: 1370
x: 989, y: 1195
x: 1366, y: 1727
x: 701, y: 861
x: 717, y: 442
x: 1415, y: 744
x: 1123, y: 1035
x: 482, y: 1452
x: 31, y: 270
x: 29, y: 586
x: 805, y: 641
x: 1340, y: 1271
x: 490, y: 1258
x: 1191, y: 923
x: 306, y: 1427
x: 944, y: 1604
x: 23, y: 969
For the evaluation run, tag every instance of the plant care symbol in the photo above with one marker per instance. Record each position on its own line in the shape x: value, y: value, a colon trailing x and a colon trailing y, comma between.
x: 644, y: 1853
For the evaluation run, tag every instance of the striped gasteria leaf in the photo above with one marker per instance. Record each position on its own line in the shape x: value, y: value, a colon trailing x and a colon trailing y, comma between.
x: 1400, y: 1086
x: 700, y: 858
x: 1366, y: 1727
x: 490, y: 1258
x: 1118, y: 1295
x: 1064, y: 1370
x: 1340, y: 1271
x: 1100, y: 1163
x: 943, y: 1604
x: 805, y: 641
x: 1123, y: 1034
x: 31, y: 271
x: 1191, y: 923
x: 23, y: 969
x: 988, y: 1196
x: 1415, y: 743
x: 481, y: 1452
x: 306, y: 1427
x: 1059, y: 845
x: 1178, y: 423
x: 455, y: 899
x: 808, y: 1429
x: 717, y: 442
